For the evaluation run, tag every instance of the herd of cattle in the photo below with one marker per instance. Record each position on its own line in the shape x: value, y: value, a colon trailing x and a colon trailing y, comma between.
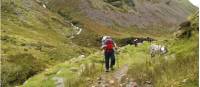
x: 135, y: 41
x: 154, y: 49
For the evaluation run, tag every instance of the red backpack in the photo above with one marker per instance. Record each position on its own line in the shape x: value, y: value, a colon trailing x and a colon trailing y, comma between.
x: 109, y: 45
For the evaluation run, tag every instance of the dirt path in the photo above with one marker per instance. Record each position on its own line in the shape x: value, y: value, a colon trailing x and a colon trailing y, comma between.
x: 114, y: 79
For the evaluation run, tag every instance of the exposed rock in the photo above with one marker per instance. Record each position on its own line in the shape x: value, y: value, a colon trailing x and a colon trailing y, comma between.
x: 59, y: 82
x: 164, y: 13
x: 132, y: 84
x: 81, y: 56
x: 184, y: 80
x: 111, y: 81
x: 44, y: 6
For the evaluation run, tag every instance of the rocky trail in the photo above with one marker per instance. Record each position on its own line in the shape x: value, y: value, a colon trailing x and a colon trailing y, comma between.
x: 116, y: 78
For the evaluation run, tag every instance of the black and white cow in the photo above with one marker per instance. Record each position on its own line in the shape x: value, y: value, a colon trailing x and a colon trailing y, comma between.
x: 157, y: 49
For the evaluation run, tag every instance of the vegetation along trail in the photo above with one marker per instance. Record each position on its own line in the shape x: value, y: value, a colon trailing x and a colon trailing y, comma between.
x: 56, y: 43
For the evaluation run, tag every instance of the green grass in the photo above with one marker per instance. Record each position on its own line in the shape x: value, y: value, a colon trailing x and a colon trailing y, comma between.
x: 72, y: 78
x: 181, y: 64
x: 36, y: 36
x: 34, y: 39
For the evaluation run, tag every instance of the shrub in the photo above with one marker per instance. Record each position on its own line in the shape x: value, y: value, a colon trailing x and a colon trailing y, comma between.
x: 17, y: 68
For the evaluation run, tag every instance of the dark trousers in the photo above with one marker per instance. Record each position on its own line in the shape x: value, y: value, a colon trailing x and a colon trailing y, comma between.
x: 109, y: 59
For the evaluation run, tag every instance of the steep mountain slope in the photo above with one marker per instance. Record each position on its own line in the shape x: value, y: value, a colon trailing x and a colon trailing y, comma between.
x: 187, y: 28
x: 33, y: 38
x: 134, y: 66
x: 126, y: 15
x: 142, y: 14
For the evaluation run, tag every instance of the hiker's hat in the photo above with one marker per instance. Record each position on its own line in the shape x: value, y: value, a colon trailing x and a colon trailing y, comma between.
x: 106, y: 37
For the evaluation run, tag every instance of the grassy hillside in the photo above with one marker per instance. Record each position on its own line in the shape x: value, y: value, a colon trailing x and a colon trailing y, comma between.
x: 141, y: 18
x: 141, y: 13
x: 179, y: 67
x: 33, y: 38
x: 36, y: 37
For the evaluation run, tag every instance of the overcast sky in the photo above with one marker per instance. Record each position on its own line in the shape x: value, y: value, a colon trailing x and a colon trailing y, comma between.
x: 195, y: 2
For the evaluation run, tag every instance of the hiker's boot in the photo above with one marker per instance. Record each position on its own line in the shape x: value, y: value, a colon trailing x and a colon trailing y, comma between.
x: 107, y: 70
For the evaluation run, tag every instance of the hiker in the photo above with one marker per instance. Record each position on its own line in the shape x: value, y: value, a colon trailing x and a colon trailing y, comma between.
x: 109, y: 47
x: 103, y: 40
x: 135, y: 42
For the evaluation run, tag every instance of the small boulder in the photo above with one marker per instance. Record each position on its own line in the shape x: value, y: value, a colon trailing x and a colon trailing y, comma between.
x: 111, y: 81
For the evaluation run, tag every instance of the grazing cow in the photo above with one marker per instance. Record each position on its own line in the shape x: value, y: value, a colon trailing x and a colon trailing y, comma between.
x: 157, y: 49
x: 136, y: 40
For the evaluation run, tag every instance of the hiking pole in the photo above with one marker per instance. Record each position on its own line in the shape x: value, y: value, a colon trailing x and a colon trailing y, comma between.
x: 118, y: 62
x: 102, y: 65
x: 117, y: 59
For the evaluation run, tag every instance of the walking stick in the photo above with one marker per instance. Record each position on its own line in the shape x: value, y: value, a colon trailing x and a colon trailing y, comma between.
x: 117, y: 59
x: 118, y: 62
x: 102, y: 65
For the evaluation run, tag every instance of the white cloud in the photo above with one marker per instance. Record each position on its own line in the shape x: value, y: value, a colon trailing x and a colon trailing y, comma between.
x: 195, y: 2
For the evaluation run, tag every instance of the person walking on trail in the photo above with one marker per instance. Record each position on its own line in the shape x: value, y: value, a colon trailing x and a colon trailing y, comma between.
x: 109, y: 47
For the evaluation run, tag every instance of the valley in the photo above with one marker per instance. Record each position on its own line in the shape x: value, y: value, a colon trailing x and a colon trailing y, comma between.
x: 56, y: 43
